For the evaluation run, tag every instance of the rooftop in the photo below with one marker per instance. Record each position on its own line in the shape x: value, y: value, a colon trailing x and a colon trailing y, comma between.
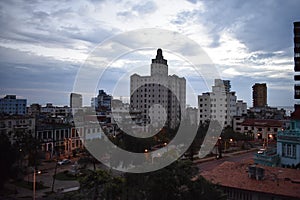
x: 279, y: 181
x: 263, y: 122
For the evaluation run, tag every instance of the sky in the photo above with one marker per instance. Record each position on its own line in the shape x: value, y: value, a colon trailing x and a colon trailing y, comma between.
x: 45, y: 44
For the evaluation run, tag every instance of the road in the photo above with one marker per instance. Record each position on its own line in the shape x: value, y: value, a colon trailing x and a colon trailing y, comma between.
x: 209, y: 165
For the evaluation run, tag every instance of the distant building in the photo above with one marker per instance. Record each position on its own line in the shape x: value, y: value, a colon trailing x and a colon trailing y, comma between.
x: 10, y: 105
x: 75, y: 100
x: 192, y: 115
x: 266, y: 113
x: 17, y: 123
x: 52, y: 110
x: 244, y: 181
x: 34, y: 109
x: 262, y: 129
x: 159, y: 94
x: 220, y: 103
x: 94, y: 102
x: 259, y: 95
x: 104, y: 101
x: 241, y: 108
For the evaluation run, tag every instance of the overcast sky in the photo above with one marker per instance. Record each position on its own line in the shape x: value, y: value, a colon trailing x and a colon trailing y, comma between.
x: 43, y: 44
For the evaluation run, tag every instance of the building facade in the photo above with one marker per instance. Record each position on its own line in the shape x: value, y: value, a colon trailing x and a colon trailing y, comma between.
x: 102, y: 102
x: 59, y: 139
x: 288, y: 142
x: 15, y: 123
x: 262, y: 129
x: 259, y: 95
x: 160, y: 97
x: 52, y: 110
x: 241, y: 108
x: 218, y: 104
x: 75, y: 100
x: 10, y: 105
x: 297, y: 60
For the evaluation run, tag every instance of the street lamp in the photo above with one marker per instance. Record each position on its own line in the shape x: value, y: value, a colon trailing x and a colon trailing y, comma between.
x: 165, y: 144
x: 34, y: 181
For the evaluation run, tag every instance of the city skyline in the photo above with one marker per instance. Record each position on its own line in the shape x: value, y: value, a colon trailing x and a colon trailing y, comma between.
x: 43, y: 45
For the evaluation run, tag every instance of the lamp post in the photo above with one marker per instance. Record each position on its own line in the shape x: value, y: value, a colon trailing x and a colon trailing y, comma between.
x: 166, y: 145
x: 34, y: 182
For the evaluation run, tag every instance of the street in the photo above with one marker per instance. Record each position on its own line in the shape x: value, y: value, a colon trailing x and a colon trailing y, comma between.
x: 209, y: 165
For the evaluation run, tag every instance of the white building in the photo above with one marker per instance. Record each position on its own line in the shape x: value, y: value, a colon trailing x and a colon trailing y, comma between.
x: 12, y: 106
x: 192, y: 115
x: 218, y: 104
x: 56, y: 110
x: 241, y: 108
x: 160, y: 97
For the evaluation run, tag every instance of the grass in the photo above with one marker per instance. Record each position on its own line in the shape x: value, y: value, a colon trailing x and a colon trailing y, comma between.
x: 63, y: 176
x: 29, y: 185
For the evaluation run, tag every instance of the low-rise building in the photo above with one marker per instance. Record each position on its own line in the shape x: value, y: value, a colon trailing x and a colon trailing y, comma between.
x: 262, y: 129
x: 14, y: 123
x: 50, y: 109
x: 243, y: 181
x: 288, y: 141
x: 58, y: 138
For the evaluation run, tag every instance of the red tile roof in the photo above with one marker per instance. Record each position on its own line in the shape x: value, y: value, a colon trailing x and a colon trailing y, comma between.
x: 279, y: 181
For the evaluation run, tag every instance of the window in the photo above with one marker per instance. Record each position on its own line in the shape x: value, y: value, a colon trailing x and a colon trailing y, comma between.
x: 289, y: 150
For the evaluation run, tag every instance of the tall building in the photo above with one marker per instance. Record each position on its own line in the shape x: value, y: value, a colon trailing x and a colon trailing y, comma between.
x: 297, y: 59
x: 10, y: 105
x: 218, y: 104
x: 102, y: 102
x: 259, y: 95
x: 75, y: 100
x: 159, y: 95
x: 241, y: 108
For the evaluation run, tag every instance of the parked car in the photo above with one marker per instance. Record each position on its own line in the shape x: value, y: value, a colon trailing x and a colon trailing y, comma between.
x: 64, y: 162
x: 261, y: 151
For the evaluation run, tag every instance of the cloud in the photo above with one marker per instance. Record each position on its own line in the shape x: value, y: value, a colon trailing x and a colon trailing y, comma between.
x: 27, y: 74
x: 48, y: 40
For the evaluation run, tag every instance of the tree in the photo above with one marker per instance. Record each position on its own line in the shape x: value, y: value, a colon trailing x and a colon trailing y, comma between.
x: 8, y: 157
x: 100, y: 184
x: 27, y: 145
x: 177, y: 181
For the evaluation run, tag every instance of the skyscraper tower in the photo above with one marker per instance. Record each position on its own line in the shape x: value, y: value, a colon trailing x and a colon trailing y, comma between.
x: 297, y: 59
x: 296, y: 113
x: 259, y: 95
x: 159, y: 90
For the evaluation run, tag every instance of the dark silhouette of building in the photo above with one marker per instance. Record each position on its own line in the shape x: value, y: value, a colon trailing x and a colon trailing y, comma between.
x: 259, y: 95
x: 297, y: 58
x: 75, y: 100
